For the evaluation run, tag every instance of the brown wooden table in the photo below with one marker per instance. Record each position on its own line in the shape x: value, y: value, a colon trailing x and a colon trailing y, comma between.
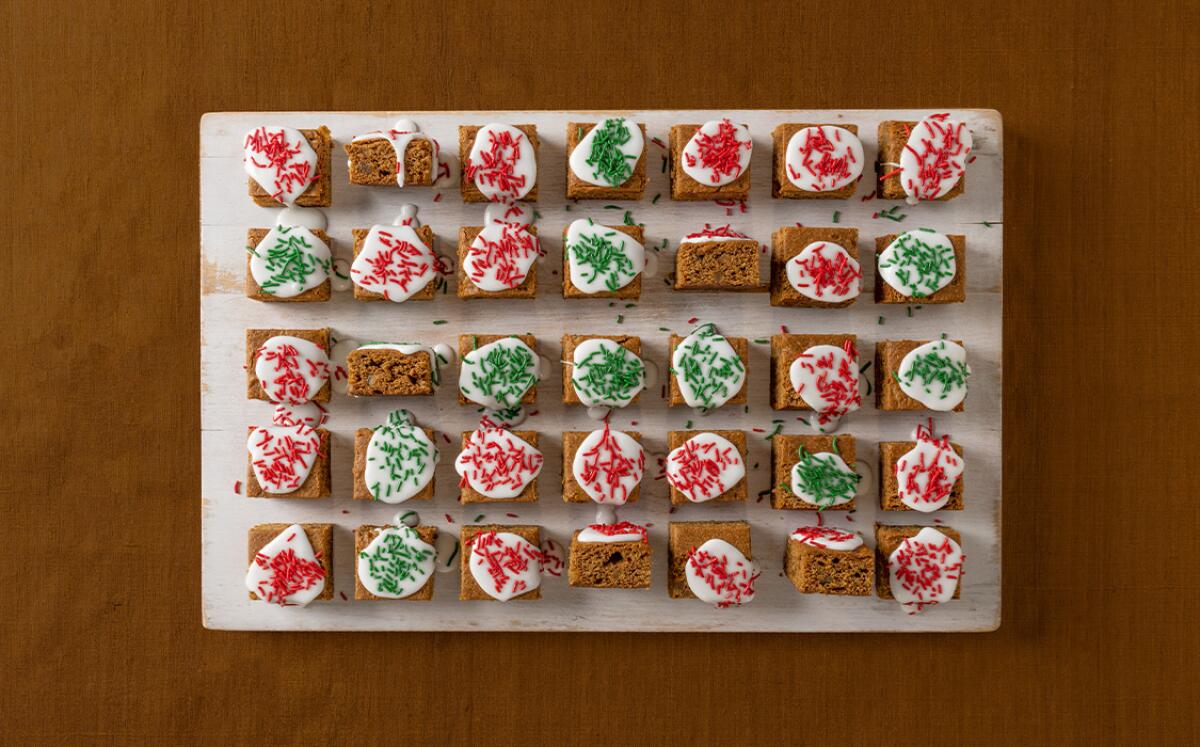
x: 100, y: 633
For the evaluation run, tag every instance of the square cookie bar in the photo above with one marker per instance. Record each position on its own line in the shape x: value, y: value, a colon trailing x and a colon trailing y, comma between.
x: 609, y: 565
x: 378, y: 372
x: 719, y: 264
x: 889, y: 355
x: 373, y: 161
x: 740, y: 345
x: 362, y: 438
x: 425, y: 294
x: 827, y: 280
x: 893, y: 136
x: 684, y: 536
x: 320, y: 536
x: 577, y: 189
x: 254, y: 238
x: 891, y: 452
x: 316, y: 485
x: 468, y: 588
x: 785, y: 349
x: 632, y: 343
x: 684, y: 187
x: 887, y: 539
x: 955, y: 291
x: 782, y: 186
x: 529, y: 494
x: 467, y: 343
x: 364, y: 536
x: 320, y: 192
x: 466, y: 140
x: 468, y: 290
x: 785, y: 455
x: 737, y: 492
x: 631, y: 291
x: 255, y: 338
x: 816, y: 563
x: 571, y: 490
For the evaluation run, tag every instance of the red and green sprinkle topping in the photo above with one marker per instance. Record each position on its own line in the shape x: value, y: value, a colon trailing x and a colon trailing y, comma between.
x: 707, y: 368
x: 290, y: 574
x: 270, y: 150
x: 918, y: 265
x: 610, y: 163
x: 609, y: 374
x: 719, y: 152
x: 823, y: 480
x: 289, y: 260
x: 600, y: 257
x: 395, y: 559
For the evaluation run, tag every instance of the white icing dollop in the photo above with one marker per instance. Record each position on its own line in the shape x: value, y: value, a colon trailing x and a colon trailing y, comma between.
x: 306, y: 217
x: 291, y: 369
x: 826, y: 378
x: 606, y: 374
x: 823, y: 158
x: 718, y: 153
x: 400, y: 462
x: 718, y: 573
x: 280, y: 160
x: 824, y: 271
x: 707, y: 369
x: 309, y: 413
x: 601, y: 258
x: 925, y: 570
x: 502, y: 162
x: 622, y: 134
x: 934, y: 158
x: 505, y: 565
x: 394, y: 261
x: 935, y: 374
x: 918, y: 263
x: 609, y: 465
x: 497, y: 463
x: 287, y: 571
x: 497, y: 375
x: 396, y: 564
x: 704, y: 467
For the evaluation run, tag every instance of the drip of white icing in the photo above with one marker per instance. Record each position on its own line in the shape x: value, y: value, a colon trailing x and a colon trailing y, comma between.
x: 514, y: 175
x: 340, y: 278
x: 693, y: 164
x: 406, y: 518
x: 507, y: 212
x: 291, y: 369
x: 734, y: 581
x: 520, y: 572
x: 631, y: 149
x: 936, y: 394
x: 306, y: 217
x: 608, y: 465
x: 310, y: 414
x: 291, y: 540
x: 553, y: 558
x: 418, y: 559
x: 447, y: 552
x: 824, y: 158
x: 403, y: 133
x: 606, y: 514
x: 606, y: 273
x: 340, y: 377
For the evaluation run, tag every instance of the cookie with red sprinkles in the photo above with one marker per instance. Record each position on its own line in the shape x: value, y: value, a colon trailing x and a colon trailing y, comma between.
x: 300, y: 565
x: 918, y: 566
x: 291, y: 172
x: 829, y: 560
x: 717, y: 151
x: 815, y: 267
x: 685, y: 537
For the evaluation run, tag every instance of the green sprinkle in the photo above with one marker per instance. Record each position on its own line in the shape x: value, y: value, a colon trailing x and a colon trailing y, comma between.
x: 880, y: 320
x: 477, y: 519
x: 837, y: 216
x: 761, y: 341
x: 775, y: 432
x: 620, y: 318
x: 439, y: 321
x: 655, y: 200
x: 909, y: 310
x: 629, y: 219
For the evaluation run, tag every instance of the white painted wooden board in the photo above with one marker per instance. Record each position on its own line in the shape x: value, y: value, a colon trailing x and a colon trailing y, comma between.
x: 226, y: 213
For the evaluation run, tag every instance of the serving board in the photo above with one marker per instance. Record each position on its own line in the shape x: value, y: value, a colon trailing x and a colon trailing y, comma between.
x: 226, y: 212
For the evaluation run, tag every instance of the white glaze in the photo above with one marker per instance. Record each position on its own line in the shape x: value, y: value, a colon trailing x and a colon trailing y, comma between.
x: 259, y: 575
x: 631, y: 149
x: 693, y: 166
x: 306, y: 217
x: 291, y: 369
x: 899, y: 273
x: 512, y: 213
x: 314, y: 252
x: 587, y: 378
x: 934, y: 395
x: 826, y: 378
x: 707, y: 367
x: 737, y: 568
x: 407, y: 518
x: 708, y: 234
x: 930, y: 152
x: 834, y: 158
x: 608, y: 465
x: 704, y: 467
x: 500, y: 256
x: 824, y: 271
x: 913, y: 471
x: 941, y: 569
x: 474, y: 363
x: 828, y: 538
x: 401, y: 134
x: 618, y: 272
x: 591, y: 533
x: 447, y: 552
x: 399, y: 439
x: 283, y: 456
x: 340, y: 280
x: 520, y: 163
x: 810, y: 498
x: 395, y: 262
x: 286, y: 167
x: 554, y: 559
x: 497, y: 463
x: 417, y: 568
x: 510, y: 579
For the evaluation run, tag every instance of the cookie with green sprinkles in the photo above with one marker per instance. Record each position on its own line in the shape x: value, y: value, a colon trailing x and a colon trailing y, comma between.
x: 921, y: 267
x: 404, y: 453
x: 469, y: 343
x: 821, y: 478
x: 289, y: 261
x: 391, y: 564
x: 601, y: 259
x: 609, y: 164
x: 941, y: 375
x: 610, y: 378
x: 710, y: 379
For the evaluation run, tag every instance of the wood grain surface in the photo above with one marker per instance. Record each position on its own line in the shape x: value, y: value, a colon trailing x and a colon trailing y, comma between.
x: 100, y: 635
